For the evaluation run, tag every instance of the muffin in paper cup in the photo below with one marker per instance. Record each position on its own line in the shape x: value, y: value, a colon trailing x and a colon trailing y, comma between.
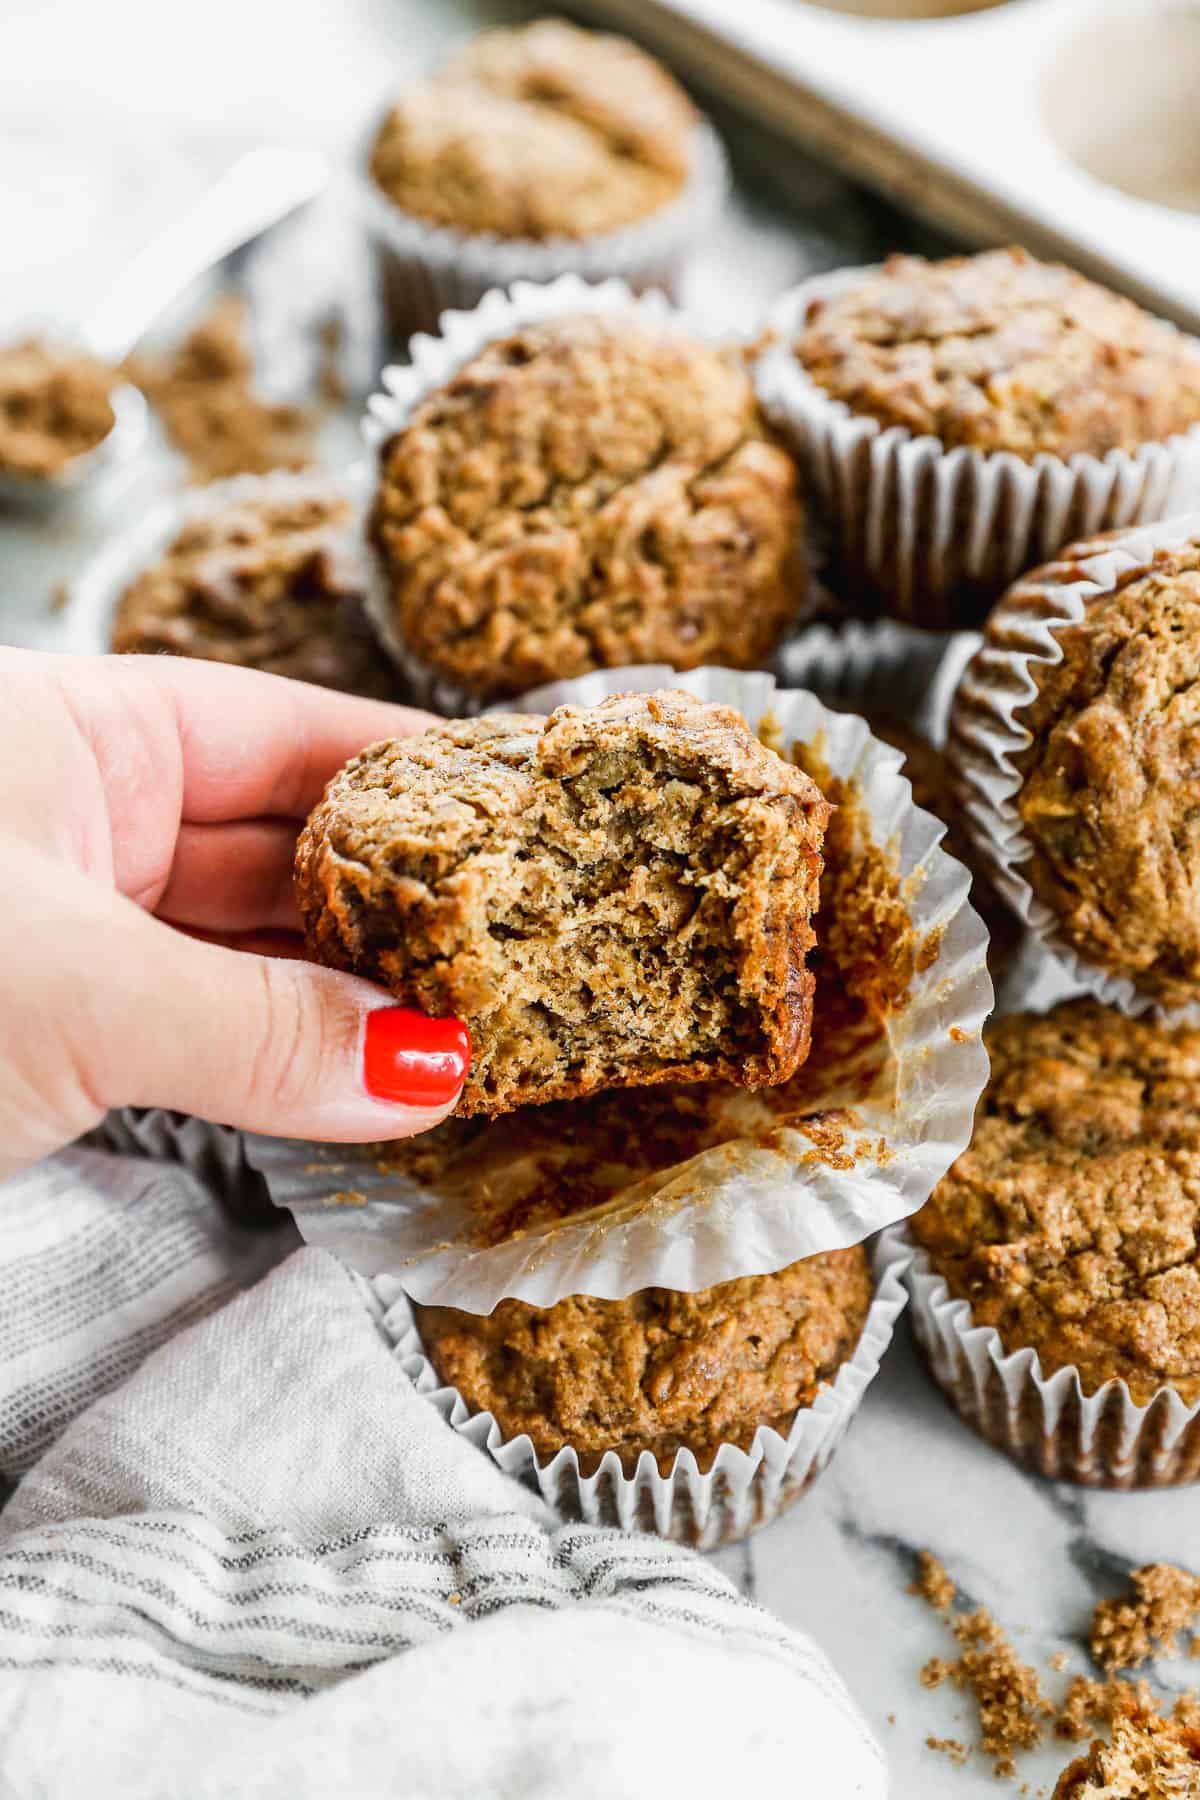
x: 930, y: 535
x: 738, y: 1492
x: 684, y: 1188
x: 423, y: 270
x: 987, y: 737
x: 1047, y: 1422
x: 96, y: 593
x: 462, y: 337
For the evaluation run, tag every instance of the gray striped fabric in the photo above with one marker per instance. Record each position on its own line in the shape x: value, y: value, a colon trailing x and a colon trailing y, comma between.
x: 245, y: 1558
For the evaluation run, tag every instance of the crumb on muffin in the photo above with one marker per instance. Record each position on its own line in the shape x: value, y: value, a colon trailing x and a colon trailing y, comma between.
x: 269, y: 582
x: 1070, y: 1223
x: 1110, y: 782
x: 586, y: 493
x: 1000, y: 352
x: 539, y: 131
x: 659, y: 1371
x: 55, y: 404
x: 616, y: 895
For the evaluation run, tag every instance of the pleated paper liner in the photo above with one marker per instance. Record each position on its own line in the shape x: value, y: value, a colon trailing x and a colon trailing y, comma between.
x: 740, y: 1491
x: 987, y: 736
x: 711, y: 1183
x: 424, y: 270
x: 932, y: 535
x: 1047, y: 1422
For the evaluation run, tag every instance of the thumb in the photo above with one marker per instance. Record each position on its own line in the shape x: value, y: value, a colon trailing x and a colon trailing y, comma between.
x: 108, y: 1006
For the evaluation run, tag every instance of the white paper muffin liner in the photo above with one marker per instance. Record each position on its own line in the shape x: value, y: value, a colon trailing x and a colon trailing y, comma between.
x: 97, y: 590
x: 930, y: 534
x: 986, y: 735
x: 1047, y: 1422
x: 741, y: 1490
x: 909, y: 673
x: 216, y: 1153
x: 753, y: 1203
x: 425, y: 269
x: 435, y: 360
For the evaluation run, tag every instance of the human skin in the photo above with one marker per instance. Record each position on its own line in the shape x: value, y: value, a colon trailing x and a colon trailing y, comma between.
x: 150, y: 952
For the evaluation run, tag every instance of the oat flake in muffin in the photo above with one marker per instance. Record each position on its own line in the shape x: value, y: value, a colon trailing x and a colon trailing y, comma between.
x: 1070, y: 1224
x: 588, y: 492
x: 659, y: 1371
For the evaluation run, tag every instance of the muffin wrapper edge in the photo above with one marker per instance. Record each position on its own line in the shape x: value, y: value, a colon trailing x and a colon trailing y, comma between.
x: 424, y: 269
x: 918, y: 525
x: 986, y: 736
x: 1047, y: 1423
x: 742, y: 1489
x: 748, y: 1205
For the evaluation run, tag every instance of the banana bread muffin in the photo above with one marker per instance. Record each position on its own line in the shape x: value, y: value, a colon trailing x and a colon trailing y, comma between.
x: 1149, y: 1758
x: 1000, y: 352
x: 1071, y: 1223
x: 586, y: 493
x: 268, y: 581
x: 536, y: 132
x: 54, y: 404
x: 660, y: 1371
x: 1110, y: 782
x: 612, y: 896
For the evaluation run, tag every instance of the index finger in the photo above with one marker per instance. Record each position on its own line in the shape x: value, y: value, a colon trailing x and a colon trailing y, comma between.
x: 256, y: 745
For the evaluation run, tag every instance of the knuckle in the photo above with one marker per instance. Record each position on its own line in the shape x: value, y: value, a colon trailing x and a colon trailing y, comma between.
x: 290, y: 1052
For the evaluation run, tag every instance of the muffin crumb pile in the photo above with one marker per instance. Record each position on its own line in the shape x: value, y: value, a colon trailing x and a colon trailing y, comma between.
x: 1132, y: 1630
x: 54, y: 405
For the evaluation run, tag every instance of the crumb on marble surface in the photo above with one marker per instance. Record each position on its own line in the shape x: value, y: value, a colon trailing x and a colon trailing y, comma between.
x: 1135, y: 1628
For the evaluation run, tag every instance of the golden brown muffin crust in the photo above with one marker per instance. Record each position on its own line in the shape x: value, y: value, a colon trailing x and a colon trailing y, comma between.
x: 1110, y: 794
x: 660, y: 1371
x: 1070, y: 1223
x: 1148, y: 1758
x: 268, y: 583
x: 615, y: 895
x: 1000, y: 352
x: 54, y: 404
x: 540, y: 131
x: 587, y: 493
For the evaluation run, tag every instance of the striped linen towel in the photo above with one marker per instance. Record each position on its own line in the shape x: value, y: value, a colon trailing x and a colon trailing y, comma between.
x: 244, y: 1557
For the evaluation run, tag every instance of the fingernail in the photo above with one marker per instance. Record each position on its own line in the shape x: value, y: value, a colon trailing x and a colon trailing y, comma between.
x: 413, y: 1060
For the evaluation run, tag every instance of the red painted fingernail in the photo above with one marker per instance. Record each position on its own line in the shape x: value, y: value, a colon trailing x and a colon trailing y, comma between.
x: 413, y: 1060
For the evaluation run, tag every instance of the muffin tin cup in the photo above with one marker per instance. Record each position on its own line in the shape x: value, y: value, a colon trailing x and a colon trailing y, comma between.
x: 986, y: 736
x: 765, y: 1196
x: 741, y: 1490
x: 96, y: 592
x: 1047, y: 1422
x: 425, y: 269
x: 931, y: 535
x: 434, y: 361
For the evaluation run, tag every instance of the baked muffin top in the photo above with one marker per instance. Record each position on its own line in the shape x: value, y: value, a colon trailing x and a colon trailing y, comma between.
x: 269, y: 582
x: 659, y: 1371
x: 589, y: 492
x: 540, y: 131
x: 1000, y: 352
x: 1070, y: 1223
x: 1110, y: 794
x: 54, y: 404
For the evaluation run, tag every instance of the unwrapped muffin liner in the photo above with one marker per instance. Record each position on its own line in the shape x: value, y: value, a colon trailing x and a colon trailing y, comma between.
x: 435, y: 360
x: 753, y: 1203
x: 918, y: 526
x: 424, y: 269
x: 741, y: 1489
x: 216, y: 1153
x: 1047, y: 1422
x: 96, y: 592
x: 987, y: 737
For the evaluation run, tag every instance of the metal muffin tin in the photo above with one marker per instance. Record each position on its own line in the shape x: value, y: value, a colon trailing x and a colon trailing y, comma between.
x: 1072, y: 126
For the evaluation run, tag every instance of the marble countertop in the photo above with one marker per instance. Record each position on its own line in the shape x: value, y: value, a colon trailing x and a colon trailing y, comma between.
x: 108, y: 122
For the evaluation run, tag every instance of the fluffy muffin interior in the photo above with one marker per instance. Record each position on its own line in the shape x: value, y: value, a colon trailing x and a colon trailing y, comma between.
x: 612, y: 897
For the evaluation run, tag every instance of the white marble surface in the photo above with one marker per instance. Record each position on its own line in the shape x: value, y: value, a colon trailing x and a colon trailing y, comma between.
x: 110, y: 117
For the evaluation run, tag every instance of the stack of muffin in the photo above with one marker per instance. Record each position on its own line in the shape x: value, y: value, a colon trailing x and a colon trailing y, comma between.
x: 571, y: 479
